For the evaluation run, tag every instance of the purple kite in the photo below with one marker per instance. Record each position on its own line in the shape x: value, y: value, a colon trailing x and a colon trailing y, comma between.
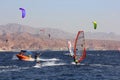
x: 23, y: 12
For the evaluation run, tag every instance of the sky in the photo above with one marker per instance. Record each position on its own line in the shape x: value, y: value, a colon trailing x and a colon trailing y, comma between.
x: 67, y: 15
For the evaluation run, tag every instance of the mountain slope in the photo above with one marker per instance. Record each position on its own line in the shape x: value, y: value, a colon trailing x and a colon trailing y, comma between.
x: 55, y: 33
x: 16, y: 36
x: 18, y: 28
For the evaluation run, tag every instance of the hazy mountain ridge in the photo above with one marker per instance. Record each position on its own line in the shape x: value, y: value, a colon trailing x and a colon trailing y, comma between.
x: 55, y: 33
x: 16, y: 37
x: 17, y: 28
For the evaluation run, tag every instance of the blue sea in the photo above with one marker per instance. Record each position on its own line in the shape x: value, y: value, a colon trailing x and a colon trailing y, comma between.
x: 58, y: 65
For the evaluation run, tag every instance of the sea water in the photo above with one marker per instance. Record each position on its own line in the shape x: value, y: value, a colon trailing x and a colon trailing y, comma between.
x: 56, y: 65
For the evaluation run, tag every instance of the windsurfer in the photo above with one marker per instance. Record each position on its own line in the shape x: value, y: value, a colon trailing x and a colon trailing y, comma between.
x: 75, y: 60
x: 79, y: 52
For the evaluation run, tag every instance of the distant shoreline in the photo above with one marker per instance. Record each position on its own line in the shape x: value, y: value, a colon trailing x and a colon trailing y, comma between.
x: 50, y: 50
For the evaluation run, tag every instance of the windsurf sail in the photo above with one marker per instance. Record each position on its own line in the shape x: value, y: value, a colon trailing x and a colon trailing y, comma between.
x: 70, y: 48
x: 79, y: 47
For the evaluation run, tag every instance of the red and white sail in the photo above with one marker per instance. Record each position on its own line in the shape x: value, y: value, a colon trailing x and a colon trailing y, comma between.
x: 79, y: 47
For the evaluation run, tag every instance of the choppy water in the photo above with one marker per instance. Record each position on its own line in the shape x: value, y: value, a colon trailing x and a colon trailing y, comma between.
x: 56, y: 65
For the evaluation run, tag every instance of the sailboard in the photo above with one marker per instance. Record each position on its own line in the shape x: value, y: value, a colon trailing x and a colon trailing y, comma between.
x: 79, y: 47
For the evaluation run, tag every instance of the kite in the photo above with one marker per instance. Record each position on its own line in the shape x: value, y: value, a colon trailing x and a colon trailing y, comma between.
x: 23, y: 12
x: 95, y: 24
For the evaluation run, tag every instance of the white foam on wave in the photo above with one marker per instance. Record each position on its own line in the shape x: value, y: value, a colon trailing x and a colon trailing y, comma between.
x: 12, y: 68
x: 100, y: 65
x: 72, y: 62
x: 48, y: 63
x: 82, y: 64
x: 14, y: 57
x: 38, y: 66
x: 67, y: 54
x: 77, y: 63
x: 32, y: 59
x: 52, y: 63
x: 43, y: 59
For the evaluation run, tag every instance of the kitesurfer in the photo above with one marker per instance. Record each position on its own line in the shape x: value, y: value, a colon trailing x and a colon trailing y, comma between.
x: 37, y: 55
x: 6, y: 40
x: 21, y: 53
x: 49, y: 35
